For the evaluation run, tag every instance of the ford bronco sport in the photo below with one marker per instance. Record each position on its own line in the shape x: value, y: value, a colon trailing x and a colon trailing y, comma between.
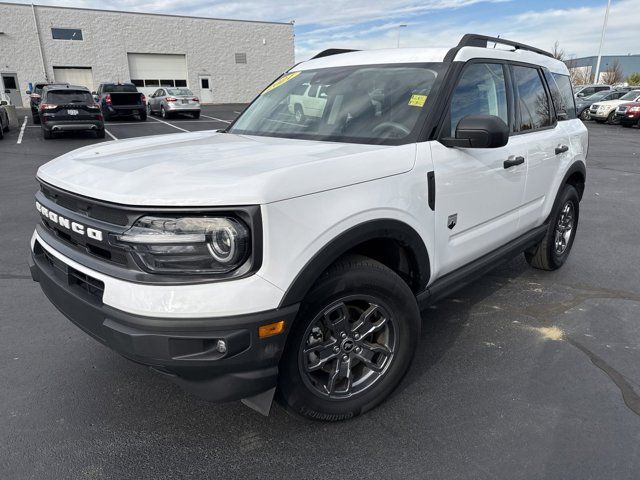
x: 292, y: 258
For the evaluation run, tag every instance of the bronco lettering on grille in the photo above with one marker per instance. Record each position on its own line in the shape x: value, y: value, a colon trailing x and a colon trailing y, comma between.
x: 69, y: 224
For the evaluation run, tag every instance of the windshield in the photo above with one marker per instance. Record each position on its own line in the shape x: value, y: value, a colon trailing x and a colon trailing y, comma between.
x: 632, y: 95
x: 597, y: 96
x: 363, y: 104
x: 69, y: 96
x: 179, y: 91
x: 120, y: 88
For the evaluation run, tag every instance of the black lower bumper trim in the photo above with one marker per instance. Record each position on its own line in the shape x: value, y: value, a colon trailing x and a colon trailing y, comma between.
x: 184, y: 349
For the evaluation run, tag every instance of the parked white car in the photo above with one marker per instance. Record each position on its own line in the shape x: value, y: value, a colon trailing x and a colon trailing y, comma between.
x: 606, y: 111
x: 296, y: 256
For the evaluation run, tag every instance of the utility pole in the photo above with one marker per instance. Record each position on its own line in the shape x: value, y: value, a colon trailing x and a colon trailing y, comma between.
x: 604, y: 29
x: 399, y: 27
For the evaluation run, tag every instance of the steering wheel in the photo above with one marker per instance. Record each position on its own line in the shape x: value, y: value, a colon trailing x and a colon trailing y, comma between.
x: 400, y: 129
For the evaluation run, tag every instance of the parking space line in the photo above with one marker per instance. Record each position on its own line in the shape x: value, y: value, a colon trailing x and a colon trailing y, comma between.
x: 171, y: 125
x: 24, y: 125
x: 214, y: 118
x: 110, y: 134
x: 236, y: 112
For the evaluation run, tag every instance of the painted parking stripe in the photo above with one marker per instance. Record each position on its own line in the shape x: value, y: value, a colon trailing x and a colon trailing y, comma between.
x: 110, y: 134
x: 167, y: 123
x: 236, y: 111
x: 24, y: 125
x: 216, y: 119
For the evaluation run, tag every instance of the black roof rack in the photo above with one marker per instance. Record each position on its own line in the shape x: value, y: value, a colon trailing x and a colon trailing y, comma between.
x: 475, y: 40
x: 332, y: 51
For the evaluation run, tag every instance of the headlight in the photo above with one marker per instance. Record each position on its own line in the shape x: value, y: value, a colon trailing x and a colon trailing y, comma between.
x: 200, y: 245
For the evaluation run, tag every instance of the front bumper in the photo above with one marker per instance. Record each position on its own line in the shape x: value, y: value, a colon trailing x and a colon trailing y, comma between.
x: 628, y: 119
x: 181, y: 348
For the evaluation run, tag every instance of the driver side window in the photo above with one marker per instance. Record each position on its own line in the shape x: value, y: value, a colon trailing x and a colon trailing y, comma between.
x: 481, y: 91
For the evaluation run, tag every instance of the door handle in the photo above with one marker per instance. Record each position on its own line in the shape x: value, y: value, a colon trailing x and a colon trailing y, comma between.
x: 513, y: 161
x: 561, y: 149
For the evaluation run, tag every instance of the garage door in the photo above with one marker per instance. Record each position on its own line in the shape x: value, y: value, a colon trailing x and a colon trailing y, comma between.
x: 74, y: 76
x: 149, y: 71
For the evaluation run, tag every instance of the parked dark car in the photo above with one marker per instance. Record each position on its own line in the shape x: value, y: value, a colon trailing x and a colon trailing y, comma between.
x: 121, y: 100
x: 35, y: 96
x: 69, y: 108
x: 4, y: 121
x: 583, y: 103
x: 628, y: 114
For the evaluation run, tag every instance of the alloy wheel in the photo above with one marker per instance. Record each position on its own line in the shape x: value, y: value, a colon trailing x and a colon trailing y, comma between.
x: 564, y: 228
x: 348, y: 347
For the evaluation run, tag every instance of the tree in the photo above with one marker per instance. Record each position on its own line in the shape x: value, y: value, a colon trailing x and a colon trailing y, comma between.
x: 578, y: 75
x: 557, y: 52
x: 633, y: 79
x: 613, y: 74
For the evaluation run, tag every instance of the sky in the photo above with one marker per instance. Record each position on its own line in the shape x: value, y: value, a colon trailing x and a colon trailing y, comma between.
x: 366, y: 24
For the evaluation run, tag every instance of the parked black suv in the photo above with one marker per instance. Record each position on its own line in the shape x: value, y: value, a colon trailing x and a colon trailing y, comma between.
x: 69, y: 108
x: 35, y: 96
x: 121, y: 99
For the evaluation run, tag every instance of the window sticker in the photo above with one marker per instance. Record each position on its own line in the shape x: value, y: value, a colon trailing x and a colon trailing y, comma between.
x: 417, y: 100
x: 280, y: 81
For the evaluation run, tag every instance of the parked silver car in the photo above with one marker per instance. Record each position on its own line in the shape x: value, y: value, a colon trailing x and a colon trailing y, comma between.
x: 168, y: 101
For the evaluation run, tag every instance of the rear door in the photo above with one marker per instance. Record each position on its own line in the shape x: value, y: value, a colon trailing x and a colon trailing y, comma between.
x: 546, y: 141
x: 478, y: 200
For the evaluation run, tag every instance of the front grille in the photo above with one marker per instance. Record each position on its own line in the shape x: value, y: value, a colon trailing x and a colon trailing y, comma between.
x: 85, y: 207
x: 90, y: 286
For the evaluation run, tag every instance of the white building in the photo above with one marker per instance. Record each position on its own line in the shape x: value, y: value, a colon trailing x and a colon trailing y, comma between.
x: 222, y: 61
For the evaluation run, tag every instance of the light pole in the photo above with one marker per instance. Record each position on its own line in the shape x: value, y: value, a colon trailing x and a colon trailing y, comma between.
x: 399, y: 27
x: 604, y: 29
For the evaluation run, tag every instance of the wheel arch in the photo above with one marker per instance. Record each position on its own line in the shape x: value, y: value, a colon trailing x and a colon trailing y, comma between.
x: 391, y: 242
x: 575, y: 176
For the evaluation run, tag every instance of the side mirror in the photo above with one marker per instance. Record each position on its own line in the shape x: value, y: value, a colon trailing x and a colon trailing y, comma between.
x: 479, y: 131
x: 4, y: 102
x: 7, y: 90
x: 94, y: 93
x: 28, y: 92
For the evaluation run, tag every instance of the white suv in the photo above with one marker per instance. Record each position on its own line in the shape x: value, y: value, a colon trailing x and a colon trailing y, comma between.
x: 293, y: 258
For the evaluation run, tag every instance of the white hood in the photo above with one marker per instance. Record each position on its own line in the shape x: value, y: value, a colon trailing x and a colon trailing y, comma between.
x: 213, y: 169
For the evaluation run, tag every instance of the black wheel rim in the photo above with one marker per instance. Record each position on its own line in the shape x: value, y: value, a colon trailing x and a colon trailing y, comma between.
x: 564, y: 228
x: 348, y: 347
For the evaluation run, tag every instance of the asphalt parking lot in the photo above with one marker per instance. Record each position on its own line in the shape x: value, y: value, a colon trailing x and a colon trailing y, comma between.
x: 523, y: 374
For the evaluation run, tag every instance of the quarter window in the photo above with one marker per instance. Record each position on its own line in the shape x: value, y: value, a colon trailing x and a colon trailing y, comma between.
x: 480, y: 91
x: 565, y: 104
x: 533, y: 102
x: 66, y: 33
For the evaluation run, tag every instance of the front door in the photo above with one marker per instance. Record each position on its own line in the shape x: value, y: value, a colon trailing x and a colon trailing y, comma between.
x: 206, y: 89
x: 10, y: 87
x: 478, y: 200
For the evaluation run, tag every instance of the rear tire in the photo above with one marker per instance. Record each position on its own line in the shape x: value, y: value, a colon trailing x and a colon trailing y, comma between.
x: 100, y: 133
x: 47, y: 134
x: 365, y: 319
x: 553, y: 250
x: 164, y: 114
x: 1, y: 132
x: 196, y: 115
x: 143, y: 117
x: 298, y: 113
x: 36, y: 119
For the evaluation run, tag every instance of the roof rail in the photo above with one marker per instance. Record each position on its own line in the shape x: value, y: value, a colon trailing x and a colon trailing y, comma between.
x: 475, y: 40
x: 332, y: 51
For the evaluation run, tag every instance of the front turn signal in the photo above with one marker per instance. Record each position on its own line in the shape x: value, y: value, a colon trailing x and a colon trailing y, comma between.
x: 271, y: 329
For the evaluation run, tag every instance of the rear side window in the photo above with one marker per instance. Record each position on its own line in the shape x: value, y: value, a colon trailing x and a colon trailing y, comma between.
x: 533, y: 102
x: 69, y: 96
x: 480, y: 91
x: 562, y: 95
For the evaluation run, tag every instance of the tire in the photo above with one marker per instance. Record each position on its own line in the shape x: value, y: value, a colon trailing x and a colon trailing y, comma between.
x: 585, y: 115
x: 106, y: 116
x: 47, y: 134
x: 350, y: 287
x: 143, y: 117
x: 196, y: 115
x: 298, y: 113
x: 149, y: 109
x: 548, y: 255
x: 100, y: 133
x: 164, y: 114
x: 36, y: 119
x: 611, y: 118
x: 1, y: 132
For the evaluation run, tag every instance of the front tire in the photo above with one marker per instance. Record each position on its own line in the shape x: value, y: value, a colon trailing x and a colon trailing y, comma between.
x: 352, y: 341
x: 611, y: 119
x: 585, y: 115
x: 554, y: 249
